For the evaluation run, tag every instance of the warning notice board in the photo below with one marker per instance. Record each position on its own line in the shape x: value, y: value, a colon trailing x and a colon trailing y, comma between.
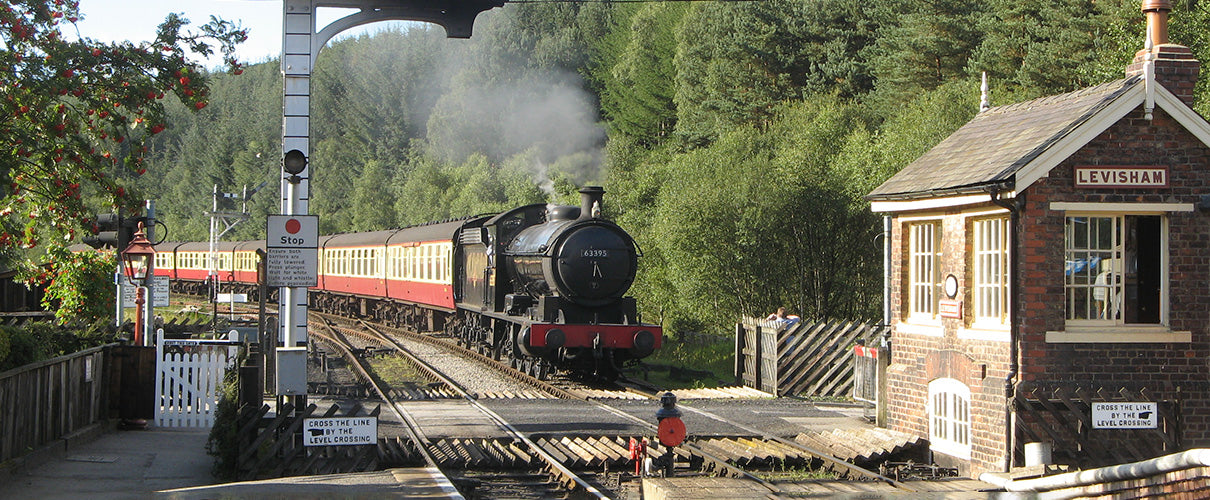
x: 340, y: 431
x: 292, y: 251
x: 1124, y: 416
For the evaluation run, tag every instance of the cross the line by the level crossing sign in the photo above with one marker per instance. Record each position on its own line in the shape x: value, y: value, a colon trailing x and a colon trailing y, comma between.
x: 340, y: 431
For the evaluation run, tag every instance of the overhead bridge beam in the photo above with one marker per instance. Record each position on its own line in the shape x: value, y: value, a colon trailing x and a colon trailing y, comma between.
x: 456, y: 16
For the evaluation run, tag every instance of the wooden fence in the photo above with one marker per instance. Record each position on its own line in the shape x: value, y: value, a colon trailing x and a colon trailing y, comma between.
x: 48, y: 400
x: 271, y: 447
x: 803, y: 359
x: 1063, y: 416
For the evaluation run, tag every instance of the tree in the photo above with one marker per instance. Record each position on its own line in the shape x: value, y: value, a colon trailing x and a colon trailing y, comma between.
x: 638, y: 93
x: 78, y: 112
x: 736, y: 62
x: 79, y: 286
x: 923, y: 45
x: 1052, y: 46
x: 377, y: 206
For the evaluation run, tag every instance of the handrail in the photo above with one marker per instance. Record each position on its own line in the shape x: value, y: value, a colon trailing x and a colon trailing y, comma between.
x: 59, y: 359
x: 1198, y: 457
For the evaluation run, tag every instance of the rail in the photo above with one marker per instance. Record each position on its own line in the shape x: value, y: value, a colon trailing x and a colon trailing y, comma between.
x: 410, y: 426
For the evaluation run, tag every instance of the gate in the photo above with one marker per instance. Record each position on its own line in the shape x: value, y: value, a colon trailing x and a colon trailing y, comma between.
x: 805, y: 359
x: 187, y: 380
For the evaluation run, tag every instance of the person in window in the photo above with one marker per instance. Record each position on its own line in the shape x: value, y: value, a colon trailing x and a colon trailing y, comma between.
x: 1100, y: 294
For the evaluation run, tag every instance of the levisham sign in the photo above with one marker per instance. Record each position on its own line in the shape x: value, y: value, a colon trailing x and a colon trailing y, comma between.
x: 1120, y: 176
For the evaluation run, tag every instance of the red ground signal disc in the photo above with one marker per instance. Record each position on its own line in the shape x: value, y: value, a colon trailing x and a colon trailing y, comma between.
x: 671, y: 431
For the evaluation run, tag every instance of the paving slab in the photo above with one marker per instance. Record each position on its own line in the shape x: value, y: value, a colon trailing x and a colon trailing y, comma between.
x: 418, y: 483
x: 172, y: 463
x: 118, y: 465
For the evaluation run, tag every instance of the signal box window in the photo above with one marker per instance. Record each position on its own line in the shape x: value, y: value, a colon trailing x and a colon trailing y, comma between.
x: 924, y: 279
x: 1114, y: 269
x: 991, y: 271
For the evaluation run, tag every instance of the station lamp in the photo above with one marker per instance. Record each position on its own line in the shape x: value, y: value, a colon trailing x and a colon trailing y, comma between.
x: 138, y: 258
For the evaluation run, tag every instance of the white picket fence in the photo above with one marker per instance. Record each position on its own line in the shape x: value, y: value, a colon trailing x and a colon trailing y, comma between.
x: 187, y: 380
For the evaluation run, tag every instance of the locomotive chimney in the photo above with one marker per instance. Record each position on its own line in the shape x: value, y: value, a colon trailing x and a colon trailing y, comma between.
x: 590, y: 201
x: 1175, y: 66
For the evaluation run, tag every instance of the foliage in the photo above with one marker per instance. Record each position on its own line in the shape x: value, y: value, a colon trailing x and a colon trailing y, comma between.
x: 35, y: 342
x: 79, y: 286
x: 717, y: 358
x: 223, y: 442
x: 639, y: 86
x: 81, y: 112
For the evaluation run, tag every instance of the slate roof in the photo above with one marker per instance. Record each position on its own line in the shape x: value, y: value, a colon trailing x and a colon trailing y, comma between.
x: 993, y: 146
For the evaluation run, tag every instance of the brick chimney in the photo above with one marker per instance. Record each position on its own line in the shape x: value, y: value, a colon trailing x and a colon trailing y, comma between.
x: 1176, y: 68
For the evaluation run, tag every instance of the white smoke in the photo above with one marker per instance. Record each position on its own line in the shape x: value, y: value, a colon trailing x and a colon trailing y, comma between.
x: 547, y: 115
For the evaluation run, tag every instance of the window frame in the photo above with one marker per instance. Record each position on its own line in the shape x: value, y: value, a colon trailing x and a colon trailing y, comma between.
x: 917, y: 312
x: 1101, y: 331
x: 991, y: 244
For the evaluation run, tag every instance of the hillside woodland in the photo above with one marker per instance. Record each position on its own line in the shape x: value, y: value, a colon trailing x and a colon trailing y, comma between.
x: 735, y: 140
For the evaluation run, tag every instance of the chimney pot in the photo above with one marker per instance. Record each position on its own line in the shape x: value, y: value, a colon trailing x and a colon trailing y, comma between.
x: 1157, y: 20
x: 1175, y: 66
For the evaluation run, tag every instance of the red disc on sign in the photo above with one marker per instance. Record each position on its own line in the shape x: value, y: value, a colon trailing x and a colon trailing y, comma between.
x: 293, y: 226
x: 671, y: 431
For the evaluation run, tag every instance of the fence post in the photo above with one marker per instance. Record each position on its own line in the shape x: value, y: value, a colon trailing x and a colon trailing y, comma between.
x: 758, y: 355
x: 251, y: 393
x: 739, y: 354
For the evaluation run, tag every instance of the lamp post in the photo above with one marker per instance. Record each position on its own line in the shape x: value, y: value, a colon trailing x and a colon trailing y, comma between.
x: 137, y: 258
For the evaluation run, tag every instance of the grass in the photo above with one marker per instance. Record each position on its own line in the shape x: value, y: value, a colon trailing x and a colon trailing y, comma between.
x: 797, y: 474
x: 395, y: 371
x: 679, y: 365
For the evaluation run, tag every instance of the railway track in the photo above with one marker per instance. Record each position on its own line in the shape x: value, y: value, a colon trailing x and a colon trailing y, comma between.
x: 714, y: 456
x: 523, y: 450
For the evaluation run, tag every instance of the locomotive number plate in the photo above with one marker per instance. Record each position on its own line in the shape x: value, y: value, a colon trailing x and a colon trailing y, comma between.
x: 595, y: 253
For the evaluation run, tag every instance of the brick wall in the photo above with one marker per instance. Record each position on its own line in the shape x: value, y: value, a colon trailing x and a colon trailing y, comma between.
x: 917, y: 359
x: 983, y: 364
x: 1159, y: 367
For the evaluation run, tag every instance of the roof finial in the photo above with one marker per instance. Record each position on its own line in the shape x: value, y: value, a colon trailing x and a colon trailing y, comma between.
x: 1154, y: 29
x: 984, y: 104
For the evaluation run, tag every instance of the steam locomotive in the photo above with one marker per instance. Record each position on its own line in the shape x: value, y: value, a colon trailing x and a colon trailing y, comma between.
x: 542, y: 286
